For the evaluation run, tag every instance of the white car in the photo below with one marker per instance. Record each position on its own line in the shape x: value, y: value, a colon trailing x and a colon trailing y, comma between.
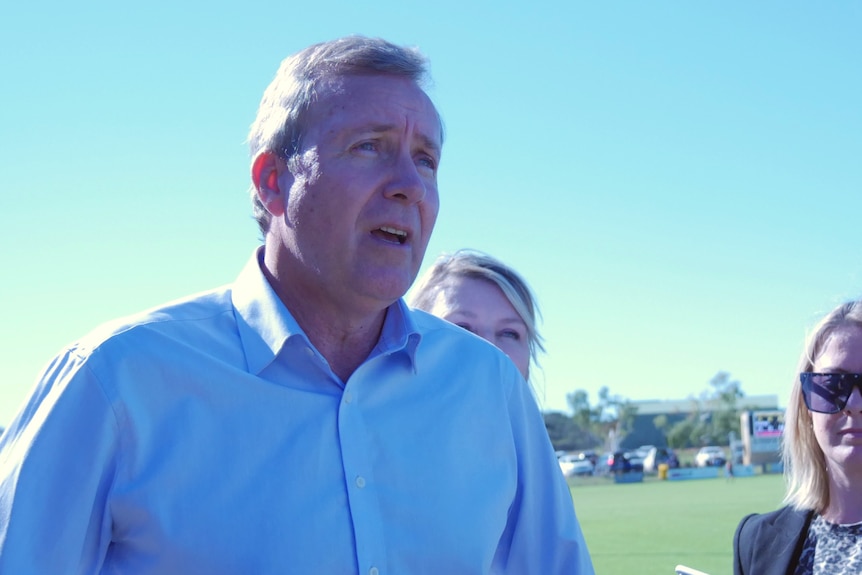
x: 572, y: 464
x: 710, y: 456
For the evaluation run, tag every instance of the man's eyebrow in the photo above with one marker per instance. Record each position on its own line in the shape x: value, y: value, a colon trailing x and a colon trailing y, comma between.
x: 376, y: 128
x: 431, y: 144
x: 363, y: 129
x: 427, y: 141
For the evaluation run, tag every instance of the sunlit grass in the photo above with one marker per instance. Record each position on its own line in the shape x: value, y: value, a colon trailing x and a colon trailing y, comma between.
x: 648, y: 528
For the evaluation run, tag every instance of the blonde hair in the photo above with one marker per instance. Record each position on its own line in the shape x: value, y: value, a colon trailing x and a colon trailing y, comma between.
x: 478, y: 265
x: 804, y: 462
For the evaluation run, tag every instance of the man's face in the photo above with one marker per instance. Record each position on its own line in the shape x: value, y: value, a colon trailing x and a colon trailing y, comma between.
x: 362, y: 197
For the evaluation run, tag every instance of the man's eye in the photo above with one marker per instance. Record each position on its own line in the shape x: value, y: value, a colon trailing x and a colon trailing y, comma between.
x: 366, y: 146
x: 428, y: 162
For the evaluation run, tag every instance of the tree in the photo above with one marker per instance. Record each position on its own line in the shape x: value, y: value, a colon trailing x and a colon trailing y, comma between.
x: 680, y: 435
x: 713, y: 416
x: 561, y: 431
x: 579, y: 403
x: 566, y: 435
x: 661, y: 423
x: 725, y: 413
x: 612, y: 413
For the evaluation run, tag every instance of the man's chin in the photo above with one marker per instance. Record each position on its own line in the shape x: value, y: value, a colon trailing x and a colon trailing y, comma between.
x: 389, y: 289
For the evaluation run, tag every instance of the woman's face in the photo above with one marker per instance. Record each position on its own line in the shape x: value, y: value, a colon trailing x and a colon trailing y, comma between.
x: 840, y: 434
x: 480, y: 306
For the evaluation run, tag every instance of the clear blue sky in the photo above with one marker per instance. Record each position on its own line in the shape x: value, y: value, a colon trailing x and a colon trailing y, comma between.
x: 679, y: 181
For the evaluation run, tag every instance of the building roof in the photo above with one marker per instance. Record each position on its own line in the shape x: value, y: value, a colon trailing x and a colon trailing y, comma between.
x: 659, y: 407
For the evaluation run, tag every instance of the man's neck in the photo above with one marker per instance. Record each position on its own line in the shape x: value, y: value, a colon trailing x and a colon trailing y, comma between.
x: 343, y: 332
x: 345, y: 345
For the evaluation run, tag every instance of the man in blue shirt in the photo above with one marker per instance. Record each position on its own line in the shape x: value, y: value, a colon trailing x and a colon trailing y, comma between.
x: 302, y: 419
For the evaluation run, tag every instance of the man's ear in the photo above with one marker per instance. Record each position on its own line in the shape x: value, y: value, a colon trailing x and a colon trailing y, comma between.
x: 265, y: 176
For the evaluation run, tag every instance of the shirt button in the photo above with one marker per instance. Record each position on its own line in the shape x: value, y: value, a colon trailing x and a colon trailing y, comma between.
x: 360, y: 482
x: 348, y: 397
x: 374, y: 571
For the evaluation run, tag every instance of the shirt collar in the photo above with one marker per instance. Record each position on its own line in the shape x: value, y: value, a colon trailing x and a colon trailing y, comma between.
x: 263, y: 320
x: 265, y: 324
x: 399, y: 333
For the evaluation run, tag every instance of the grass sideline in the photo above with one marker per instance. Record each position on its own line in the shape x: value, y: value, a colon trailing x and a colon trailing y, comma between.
x: 648, y: 528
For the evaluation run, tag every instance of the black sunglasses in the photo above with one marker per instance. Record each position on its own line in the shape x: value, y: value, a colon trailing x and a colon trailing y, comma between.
x: 828, y: 392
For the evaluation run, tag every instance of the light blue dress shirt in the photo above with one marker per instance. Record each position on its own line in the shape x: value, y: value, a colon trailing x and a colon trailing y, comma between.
x: 209, y: 437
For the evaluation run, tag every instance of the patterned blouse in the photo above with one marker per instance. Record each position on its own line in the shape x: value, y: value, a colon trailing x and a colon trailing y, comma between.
x: 831, y: 549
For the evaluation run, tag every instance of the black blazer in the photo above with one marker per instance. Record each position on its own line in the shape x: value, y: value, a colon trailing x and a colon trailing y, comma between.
x: 770, y: 543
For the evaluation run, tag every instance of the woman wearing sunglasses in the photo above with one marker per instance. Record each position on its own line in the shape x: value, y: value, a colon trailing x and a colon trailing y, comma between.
x: 820, y: 528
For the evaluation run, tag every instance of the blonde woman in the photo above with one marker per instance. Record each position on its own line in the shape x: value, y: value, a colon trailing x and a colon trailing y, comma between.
x: 819, y: 531
x: 485, y: 296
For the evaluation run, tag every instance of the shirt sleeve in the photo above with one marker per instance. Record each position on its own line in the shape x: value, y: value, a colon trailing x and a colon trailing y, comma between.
x: 543, y: 534
x: 57, y: 464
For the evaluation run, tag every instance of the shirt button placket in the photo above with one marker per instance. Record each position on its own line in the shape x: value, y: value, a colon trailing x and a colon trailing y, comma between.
x: 361, y: 495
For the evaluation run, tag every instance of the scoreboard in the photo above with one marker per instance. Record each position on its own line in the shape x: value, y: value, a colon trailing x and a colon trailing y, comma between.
x: 761, y: 435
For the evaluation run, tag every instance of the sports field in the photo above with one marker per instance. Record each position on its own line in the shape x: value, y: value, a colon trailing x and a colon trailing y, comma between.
x: 648, y: 528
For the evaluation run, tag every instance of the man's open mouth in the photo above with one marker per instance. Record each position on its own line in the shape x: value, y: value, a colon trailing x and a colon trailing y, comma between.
x: 392, y: 235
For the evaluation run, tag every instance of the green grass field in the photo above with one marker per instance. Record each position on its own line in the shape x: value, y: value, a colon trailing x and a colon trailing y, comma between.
x: 648, y: 528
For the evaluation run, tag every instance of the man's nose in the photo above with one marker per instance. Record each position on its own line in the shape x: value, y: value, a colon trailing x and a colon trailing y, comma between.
x: 406, y: 182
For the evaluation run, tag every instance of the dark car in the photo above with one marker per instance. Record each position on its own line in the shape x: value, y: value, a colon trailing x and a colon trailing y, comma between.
x: 623, y: 462
x: 658, y: 456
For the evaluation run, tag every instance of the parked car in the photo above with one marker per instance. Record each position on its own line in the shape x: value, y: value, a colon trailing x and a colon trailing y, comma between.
x: 573, y: 464
x: 602, y: 466
x: 657, y: 456
x: 635, y: 458
x: 643, y: 451
x: 589, y: 454
x: 710, y: 456
x: 623, y: 462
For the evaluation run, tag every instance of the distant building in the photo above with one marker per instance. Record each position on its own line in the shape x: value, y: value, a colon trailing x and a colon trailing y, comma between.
x: 644, y: 431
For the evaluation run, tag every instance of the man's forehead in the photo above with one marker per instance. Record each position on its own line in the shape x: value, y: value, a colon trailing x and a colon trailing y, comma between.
x: 379, y: 102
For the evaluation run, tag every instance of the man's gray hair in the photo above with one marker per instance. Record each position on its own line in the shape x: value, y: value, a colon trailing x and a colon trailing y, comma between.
x: 279, y: 127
